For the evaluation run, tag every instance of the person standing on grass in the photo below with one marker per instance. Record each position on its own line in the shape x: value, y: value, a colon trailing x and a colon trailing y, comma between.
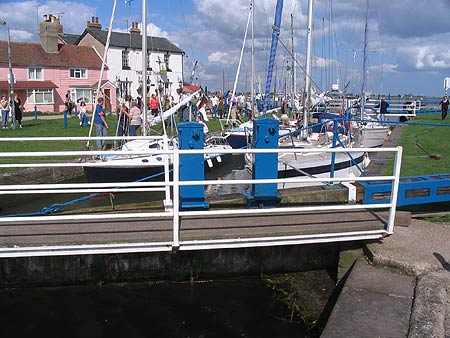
x: 154, y: 105
x: 136, y: 121
x: 4, y: 107
x: 444, y: 107
x: 18, y: 109
x: 100, y: 123
x: 214, y: 103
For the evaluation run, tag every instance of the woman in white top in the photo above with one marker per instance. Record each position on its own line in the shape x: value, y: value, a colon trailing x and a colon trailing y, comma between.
x: 136, y: 121
x: 4, y: 106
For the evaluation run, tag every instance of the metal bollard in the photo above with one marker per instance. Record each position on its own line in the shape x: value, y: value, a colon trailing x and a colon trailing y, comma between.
x: 65, y: 118
x: 192, y: 166
x: 265, y: 165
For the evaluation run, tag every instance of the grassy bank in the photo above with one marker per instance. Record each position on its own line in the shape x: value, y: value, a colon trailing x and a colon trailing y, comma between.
x: 425, y: 147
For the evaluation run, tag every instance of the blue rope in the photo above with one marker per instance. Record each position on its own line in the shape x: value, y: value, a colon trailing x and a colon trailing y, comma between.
x: 55, y: 208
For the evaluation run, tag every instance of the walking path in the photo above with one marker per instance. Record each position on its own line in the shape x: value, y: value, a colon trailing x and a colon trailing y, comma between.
x: 47, y: 117
x: 402, y: 291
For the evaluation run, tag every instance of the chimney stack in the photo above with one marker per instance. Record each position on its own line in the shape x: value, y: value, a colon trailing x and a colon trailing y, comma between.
x: 135, y: 28
x: 94, y: 23
x: 48, y: 33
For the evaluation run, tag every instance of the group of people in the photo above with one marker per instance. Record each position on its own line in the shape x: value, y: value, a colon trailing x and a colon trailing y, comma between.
x: 8, y: 108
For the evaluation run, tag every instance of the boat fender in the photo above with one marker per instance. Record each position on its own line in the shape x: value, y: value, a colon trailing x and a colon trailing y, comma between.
x: 209, y: 161
x: 219, y: 159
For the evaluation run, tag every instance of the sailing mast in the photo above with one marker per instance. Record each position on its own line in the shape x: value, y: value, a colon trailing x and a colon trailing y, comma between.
x: 252, y: 86
x: 239, y: 67
x: 363, y: 84
x: 144, y: 65
x: 273, y: 50
x: 292, y: 64
x: 306, y: 104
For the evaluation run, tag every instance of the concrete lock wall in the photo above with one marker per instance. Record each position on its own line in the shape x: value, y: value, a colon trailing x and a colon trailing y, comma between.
x: 184, y: 265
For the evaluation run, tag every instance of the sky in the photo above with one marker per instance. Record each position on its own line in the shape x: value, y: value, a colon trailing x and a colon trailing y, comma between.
x: 407, y: 41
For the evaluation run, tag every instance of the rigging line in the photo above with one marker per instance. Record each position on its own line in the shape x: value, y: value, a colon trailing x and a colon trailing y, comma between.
x: 299, y: 65
x: 334, y: 40
x: 239, y: 66
x: 103, y: 66
x: 187, y: 30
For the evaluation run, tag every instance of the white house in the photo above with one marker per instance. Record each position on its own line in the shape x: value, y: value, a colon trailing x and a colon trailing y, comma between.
x: 124, y: 60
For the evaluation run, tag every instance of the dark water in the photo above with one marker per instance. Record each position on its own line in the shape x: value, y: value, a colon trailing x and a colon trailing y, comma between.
x: 238, y: 307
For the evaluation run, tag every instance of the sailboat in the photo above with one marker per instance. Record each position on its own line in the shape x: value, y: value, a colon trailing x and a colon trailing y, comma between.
x: 317, y: 164
x: 145, y: 160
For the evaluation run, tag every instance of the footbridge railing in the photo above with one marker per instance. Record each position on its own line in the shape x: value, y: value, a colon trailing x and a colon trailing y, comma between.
x: 166, y: 225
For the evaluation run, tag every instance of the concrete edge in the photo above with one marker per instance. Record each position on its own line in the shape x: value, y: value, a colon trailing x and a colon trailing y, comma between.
x: 429, y: 306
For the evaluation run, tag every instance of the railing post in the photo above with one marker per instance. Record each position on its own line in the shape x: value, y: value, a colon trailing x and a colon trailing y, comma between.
x: 176, y: 199
x: 167, y: 200
x: 395, y: 186
x: 335, y: 138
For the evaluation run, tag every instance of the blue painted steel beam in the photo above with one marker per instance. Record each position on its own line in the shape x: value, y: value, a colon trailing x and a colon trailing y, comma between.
x: 412, y: 190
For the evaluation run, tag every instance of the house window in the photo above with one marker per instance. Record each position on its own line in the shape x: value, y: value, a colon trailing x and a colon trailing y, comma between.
x: 149, y: 54
x: 166, y: 61
x: 125, y: 59
x: 40, y: 96
x: 82, y: 94
x: 78, y: 73
x: 35, y: 73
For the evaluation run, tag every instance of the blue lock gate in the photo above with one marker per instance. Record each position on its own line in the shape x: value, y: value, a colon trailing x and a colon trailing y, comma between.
x: 190, y: 136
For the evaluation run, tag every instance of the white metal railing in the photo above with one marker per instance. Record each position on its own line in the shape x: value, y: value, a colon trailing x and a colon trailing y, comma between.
x: 397, y: 107
x: 173, y: 210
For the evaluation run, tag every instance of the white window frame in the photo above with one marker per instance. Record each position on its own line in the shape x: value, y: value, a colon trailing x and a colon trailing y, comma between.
x: 83, y: 73
x: 34, y: 72
x: 32, y: 94
x: 125, y: 59
x: 78, y: 93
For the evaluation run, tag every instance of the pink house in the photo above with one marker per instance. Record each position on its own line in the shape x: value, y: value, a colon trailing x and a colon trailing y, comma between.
x: 46, y: 72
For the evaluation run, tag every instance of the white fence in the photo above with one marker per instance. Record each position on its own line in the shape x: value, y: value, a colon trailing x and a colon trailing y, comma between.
x: 171, y: 188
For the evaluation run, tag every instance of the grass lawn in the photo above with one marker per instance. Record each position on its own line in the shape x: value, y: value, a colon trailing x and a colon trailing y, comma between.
x: 418, y: 141
x: 423, y: 144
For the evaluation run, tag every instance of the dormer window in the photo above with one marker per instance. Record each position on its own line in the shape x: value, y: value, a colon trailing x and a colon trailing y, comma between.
x: 125, y: 59
x: 78, y: 73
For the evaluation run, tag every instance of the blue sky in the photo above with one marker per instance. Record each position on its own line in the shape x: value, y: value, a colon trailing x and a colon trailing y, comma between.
x: 408, y: 40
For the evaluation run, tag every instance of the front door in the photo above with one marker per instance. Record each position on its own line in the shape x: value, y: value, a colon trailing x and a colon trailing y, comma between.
x: 108, y: 100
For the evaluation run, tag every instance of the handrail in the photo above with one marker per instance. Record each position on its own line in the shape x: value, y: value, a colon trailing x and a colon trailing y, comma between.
x: 173, y: 184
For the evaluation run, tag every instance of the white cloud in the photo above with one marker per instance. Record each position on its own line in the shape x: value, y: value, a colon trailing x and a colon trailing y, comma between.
x: 21, y: 35
x: 154, y: 30
x: 222, y: 57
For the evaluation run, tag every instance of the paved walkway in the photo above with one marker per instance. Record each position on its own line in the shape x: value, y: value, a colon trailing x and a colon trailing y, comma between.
x: 404, y: 289
x: 46, y: 117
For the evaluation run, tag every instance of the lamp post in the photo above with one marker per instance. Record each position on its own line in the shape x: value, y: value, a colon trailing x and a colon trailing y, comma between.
x: 11, y: 76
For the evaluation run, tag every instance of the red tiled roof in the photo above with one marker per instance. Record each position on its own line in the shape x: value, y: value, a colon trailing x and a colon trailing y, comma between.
x: 31, y: 54
x: 190, y: 88
x: 28, y: 85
